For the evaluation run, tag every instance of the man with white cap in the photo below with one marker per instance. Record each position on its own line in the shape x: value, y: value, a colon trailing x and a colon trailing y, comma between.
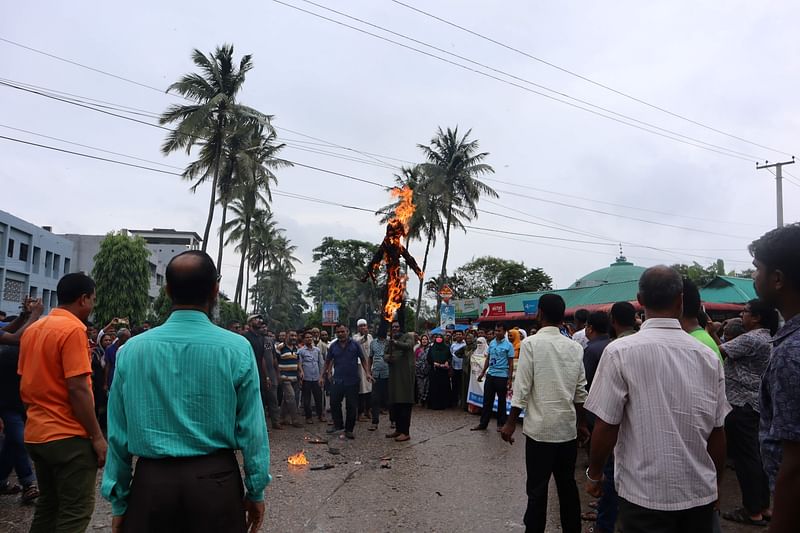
x: 364, y: 339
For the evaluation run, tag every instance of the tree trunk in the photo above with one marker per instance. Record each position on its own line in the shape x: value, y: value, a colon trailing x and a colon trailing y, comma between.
x: 443, y: 275
x: 242, y: 261
x: 422, y: 281
x: 217, y: 158
x: 247, y: 288
x: 222, y: 233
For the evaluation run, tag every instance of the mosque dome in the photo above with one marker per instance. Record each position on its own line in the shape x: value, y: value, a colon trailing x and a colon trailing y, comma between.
x: 619, y: 271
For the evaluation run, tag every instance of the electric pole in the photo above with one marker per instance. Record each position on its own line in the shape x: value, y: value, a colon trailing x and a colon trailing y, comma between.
x: 778, y: 184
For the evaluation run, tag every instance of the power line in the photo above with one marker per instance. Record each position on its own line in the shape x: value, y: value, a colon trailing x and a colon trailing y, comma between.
x: 523, y: 80
x: 317, y: 200
x: 587, y: 79
x: 513, y: 84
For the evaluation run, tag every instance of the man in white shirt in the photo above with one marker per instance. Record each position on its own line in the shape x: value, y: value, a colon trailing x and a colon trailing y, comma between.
x: 364, y: 339
x: 659, y: 396
x: 581, y: 316
x: 550, y: 385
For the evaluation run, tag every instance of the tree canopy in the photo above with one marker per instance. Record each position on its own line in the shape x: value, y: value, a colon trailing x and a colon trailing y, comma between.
x: 122, y: 274
x: 492, y: 276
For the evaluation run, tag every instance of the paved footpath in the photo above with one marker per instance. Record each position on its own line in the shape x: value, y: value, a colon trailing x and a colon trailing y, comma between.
x: 446, y: 478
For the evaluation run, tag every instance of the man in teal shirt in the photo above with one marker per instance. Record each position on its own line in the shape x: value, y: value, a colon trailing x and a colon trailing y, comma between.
x: 185, y: 396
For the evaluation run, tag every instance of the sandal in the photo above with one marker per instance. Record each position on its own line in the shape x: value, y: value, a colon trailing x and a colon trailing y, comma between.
x: 589, y: 516
x: 10, y: 488
x: 741, y: 516
x: 30, y: 493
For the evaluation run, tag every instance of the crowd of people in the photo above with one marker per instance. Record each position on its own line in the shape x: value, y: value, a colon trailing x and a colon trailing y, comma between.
x: 660, y: 401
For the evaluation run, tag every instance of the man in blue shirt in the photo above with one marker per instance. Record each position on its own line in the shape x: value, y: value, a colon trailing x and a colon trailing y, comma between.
x: 499, y: 367
x: 776, y: 257
x: 343, y: 356
x: 311, y: 363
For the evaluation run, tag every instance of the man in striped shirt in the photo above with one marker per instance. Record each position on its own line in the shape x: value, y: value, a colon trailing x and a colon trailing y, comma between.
x: 291, y: 374
x: 659, y: 396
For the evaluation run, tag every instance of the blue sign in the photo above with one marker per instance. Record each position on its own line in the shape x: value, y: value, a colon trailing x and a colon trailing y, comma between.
x: 330, y: 313
x: 447, y: 315
x: 531, y: 307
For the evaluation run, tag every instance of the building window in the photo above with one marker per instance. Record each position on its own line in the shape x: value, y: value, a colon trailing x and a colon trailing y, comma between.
x: 48, y: 263
x: 56, y: 265
x: 67, y: 263
x: 10, y: 247
x: 34, y: 292
x: 37, y: 259
x: 13, y: 290
x: 23, y: 251
x: 53, y: 299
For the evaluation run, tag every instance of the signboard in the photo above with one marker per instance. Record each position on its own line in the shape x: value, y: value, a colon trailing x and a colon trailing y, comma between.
x: 445, y: 293
x: 475, y: 389
x: 467, y: 306
x: 497, y: 309
x: 330, y: 313
x: 531, y: 307
x: 447, y: 315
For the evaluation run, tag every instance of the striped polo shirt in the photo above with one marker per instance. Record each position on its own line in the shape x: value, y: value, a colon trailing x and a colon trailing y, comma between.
x: 287, y: 363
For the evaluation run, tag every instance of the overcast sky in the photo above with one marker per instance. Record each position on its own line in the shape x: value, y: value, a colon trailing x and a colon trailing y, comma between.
x: 730, y: 65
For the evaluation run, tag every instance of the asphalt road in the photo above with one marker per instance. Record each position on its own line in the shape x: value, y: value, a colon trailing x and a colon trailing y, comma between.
x: 445, y: 479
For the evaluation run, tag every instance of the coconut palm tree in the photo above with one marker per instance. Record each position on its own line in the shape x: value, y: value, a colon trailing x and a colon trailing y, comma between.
x: 205, y: 123
x: 453, y: 165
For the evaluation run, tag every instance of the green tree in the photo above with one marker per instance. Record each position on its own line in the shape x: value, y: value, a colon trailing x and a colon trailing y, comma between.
x: 699, y: 274
x: 209, y: 121
x: 229, y: 311
x: 122, y: 272
x: 342, y: 263
x: 492, y: 276
x: 161, y: 308
x: 453, y: 164
x: 278, y: 297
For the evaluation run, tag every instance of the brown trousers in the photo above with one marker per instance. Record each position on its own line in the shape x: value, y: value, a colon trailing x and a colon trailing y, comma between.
x: 187, y: 495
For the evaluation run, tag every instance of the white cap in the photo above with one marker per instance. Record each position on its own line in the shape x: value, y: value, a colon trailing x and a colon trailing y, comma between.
x: 361, y: 322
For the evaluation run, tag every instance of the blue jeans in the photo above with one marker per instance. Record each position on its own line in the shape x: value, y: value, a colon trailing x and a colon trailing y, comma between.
x: 14, y: 456
x: 608, y: 506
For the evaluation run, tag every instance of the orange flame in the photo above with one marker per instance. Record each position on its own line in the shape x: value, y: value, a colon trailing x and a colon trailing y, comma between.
x: 298, y: 459
x: 397, y: 281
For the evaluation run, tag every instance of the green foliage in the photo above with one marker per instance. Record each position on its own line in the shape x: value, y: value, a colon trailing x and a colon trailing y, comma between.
x: 229, y: 311
x: 122, y: 274
x: 161, y: 308
x: 342, y: 263
x: 278, y: 297
x: 492, y: 276
x: 699, y: 274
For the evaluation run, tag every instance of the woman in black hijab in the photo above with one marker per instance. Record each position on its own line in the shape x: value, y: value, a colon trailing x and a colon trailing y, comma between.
x: 439, y: 359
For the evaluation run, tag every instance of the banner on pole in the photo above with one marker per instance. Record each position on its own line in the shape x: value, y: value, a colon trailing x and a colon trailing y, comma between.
x: 447, y: 315
x: 330, y: 313
x: 531, y: 307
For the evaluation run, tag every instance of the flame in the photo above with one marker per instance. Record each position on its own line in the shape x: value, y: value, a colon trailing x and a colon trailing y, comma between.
x: 298, y: 459
x: 398, y: 228
x: 405, y: 208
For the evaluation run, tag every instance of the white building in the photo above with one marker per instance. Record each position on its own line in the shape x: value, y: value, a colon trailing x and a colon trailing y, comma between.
x: 31, y: 263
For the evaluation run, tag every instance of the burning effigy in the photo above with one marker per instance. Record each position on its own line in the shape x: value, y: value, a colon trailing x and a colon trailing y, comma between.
x: 390, y: 251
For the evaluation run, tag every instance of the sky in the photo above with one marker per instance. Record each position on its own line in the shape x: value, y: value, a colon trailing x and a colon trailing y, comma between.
x: 571, y: 184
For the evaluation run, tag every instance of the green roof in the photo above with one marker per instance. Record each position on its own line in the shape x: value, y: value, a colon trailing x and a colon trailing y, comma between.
x: 619, y: 271
x: 728, y: 289
x: 573, y: 297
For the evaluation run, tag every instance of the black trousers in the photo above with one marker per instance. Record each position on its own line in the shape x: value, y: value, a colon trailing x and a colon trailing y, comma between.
x: 741, y: 429
x: 188, y: 494
x: 309, y: 388
x: 402, y: 417
x: 380, y: 398
x: 637, y: 519
x: 348, y: 393
x: 492, y: 387
x: 545, y: 459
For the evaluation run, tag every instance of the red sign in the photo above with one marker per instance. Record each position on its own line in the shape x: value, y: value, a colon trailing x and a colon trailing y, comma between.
x: 446, y: 293
x: 497, y: 309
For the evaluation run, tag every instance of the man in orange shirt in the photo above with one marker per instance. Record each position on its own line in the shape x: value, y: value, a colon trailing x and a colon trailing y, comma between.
x: 62, y: 434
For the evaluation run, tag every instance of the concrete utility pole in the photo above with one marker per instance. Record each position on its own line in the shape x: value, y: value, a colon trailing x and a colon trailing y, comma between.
x: 778, y: 184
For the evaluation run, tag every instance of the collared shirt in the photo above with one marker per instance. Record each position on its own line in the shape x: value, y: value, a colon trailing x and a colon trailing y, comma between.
x: 311, y: 361
x: 365, y: 386
x: 377, y: 350
x: 549, y: 381
x: 499, y: 354
x: 591, y: 356
x: 746, y: 361
x: 780, y: 399
x: 458, y: 362
x: 666, y: 391
x: 184, y: 389
x: 52, y: 350
x: 345, y: 361
x: 580, y: 338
